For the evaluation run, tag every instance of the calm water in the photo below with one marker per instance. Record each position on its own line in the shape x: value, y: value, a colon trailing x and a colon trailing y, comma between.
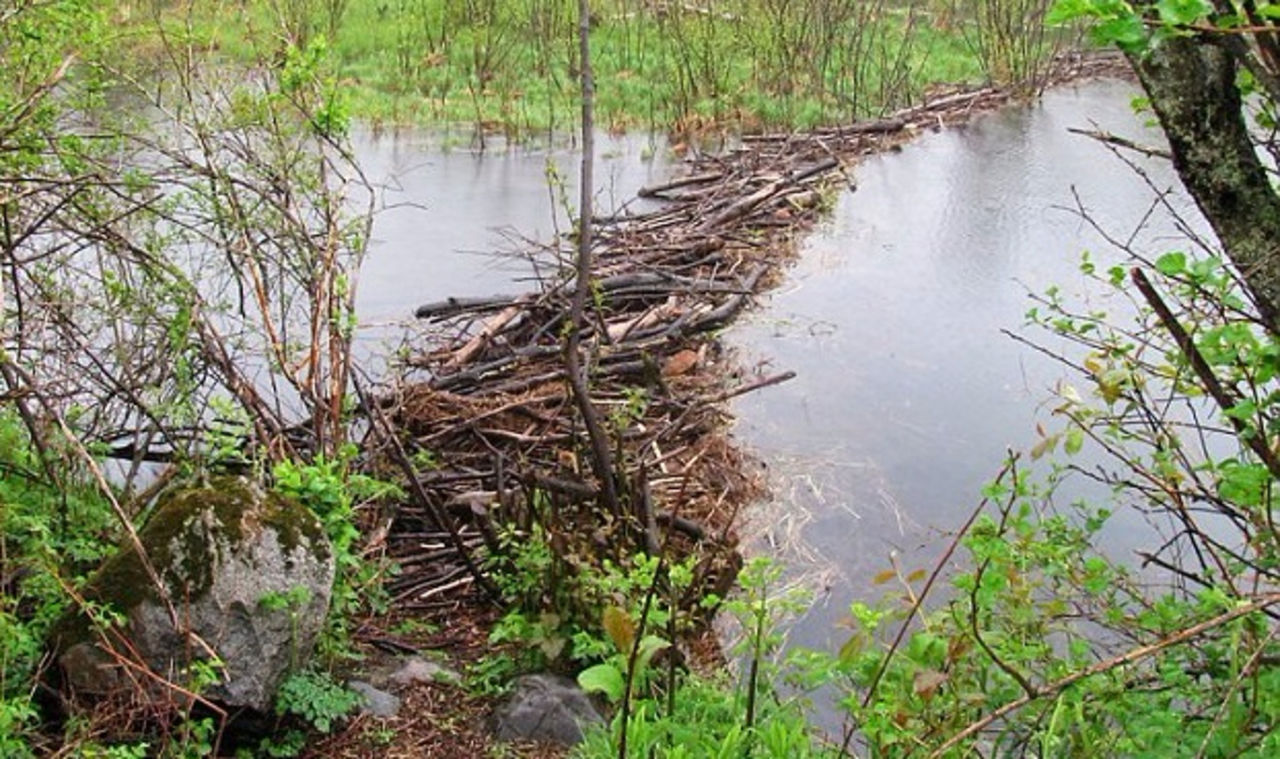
x: 907, y: 393
x: 449, y: 214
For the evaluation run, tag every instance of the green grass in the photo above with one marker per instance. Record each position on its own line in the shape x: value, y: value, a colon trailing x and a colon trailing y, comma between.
x: 511, y: 64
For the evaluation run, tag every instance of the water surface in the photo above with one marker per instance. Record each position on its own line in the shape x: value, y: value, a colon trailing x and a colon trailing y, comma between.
x: 907, y: 394
x: 448, y: 215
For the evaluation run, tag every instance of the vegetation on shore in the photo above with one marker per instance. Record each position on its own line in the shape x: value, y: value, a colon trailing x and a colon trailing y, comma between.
x: 112, y: 349
x: 512, y: 65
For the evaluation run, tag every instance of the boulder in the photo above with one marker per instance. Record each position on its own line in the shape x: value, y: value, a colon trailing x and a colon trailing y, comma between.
x: 248, y: 575
x: 545, y: 708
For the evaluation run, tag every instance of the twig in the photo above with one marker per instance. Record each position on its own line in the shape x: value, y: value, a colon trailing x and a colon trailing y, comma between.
x: 420, y: 494
x: 1133, y: 655
x: 924, y: 592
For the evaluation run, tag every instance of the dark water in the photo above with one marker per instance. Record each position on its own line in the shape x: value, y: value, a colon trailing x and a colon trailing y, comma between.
x: 908, y: 395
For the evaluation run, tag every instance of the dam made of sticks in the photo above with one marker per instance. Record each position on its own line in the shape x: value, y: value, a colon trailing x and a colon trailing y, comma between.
x: 482, y: 414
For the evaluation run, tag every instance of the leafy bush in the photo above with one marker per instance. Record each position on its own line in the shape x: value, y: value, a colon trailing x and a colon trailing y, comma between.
x: 316, y: 698
x: 331, y: 490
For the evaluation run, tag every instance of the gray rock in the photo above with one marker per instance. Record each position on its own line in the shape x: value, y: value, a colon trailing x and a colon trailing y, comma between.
x: 249, y: 576
x: 377, y: 703
x: 418, y: 670
x: 545, y: 708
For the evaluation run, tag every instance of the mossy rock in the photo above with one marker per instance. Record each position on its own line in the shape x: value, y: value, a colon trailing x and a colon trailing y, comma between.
x: 248, y: 575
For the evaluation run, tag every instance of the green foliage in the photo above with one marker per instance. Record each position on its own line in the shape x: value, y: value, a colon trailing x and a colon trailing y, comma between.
x: 194, y: 739
x: 629, y: 662
x: 512, y: 63
x: 1134, y: 26
x: 716, y: 716
x: 331, y: 489
x: 305, y: 78
x: 492, y: 674
x: 707, y: 722
x: 1151, y: 408
x: 567, y: 607
x: 51, y: 534
x: 116, y: 751
x: 316, y: 698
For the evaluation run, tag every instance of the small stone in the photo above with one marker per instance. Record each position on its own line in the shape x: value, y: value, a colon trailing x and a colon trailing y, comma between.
x: 377, y: 703
x: 545, y: 708
x: 418, y: 670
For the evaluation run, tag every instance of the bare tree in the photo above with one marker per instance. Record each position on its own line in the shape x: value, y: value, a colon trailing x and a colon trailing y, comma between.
x: 601, y: 459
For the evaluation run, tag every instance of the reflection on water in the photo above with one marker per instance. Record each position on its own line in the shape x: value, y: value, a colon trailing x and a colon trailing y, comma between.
x: 908, y: 394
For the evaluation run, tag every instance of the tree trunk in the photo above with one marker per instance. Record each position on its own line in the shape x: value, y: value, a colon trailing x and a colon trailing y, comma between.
x: 1192, y: 88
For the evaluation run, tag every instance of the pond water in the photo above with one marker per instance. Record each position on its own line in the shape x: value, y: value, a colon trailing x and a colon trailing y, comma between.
x: 449, y: 215
x: 908, y: 394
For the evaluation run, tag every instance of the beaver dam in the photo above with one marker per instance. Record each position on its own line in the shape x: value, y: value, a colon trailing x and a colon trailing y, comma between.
x: 485, y: 426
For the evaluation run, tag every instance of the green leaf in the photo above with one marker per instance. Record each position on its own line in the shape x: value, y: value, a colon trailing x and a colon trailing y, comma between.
x: 650, y: 645
x: 1074, y: 441
x: 1244, y: 410
x: 1127, y: 32
x: 1172, y: 264
x: 603, y: 678
x: 1244, y: 484
x: 1065, y: 11
x: 1182, y: 11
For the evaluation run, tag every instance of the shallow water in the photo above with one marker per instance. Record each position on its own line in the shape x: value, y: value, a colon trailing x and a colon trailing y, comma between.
x: 907, y: 394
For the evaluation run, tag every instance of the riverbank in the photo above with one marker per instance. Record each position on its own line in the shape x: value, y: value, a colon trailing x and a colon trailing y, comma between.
x: 762, y: 198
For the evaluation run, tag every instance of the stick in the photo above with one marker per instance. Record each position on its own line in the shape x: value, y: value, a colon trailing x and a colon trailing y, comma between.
x: 415, y: 486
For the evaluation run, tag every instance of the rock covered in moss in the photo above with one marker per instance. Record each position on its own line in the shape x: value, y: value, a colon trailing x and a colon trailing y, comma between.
x: 248, y: 575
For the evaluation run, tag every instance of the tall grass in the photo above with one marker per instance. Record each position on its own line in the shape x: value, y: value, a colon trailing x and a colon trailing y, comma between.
x: 747, y: 64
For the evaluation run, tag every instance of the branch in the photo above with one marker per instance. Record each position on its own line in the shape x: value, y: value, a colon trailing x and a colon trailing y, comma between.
x: 1224, y: 397
x: 601, y: 458
x: 933, y: 577
x: 1133, y: 655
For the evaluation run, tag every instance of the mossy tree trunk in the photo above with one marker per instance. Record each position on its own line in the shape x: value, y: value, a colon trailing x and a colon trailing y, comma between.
x: 1192, y: 88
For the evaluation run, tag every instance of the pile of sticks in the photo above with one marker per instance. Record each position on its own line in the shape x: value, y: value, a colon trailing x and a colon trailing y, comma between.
x: 487, y: 409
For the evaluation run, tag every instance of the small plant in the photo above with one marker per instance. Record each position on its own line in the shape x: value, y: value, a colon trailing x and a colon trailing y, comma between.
x: 331, y: 490
x: 316, y: 698
x: 492, y: 674
x: 635, y: 403
x: 194, y: 738
x: 706, y: 716
x: 612, y: 676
